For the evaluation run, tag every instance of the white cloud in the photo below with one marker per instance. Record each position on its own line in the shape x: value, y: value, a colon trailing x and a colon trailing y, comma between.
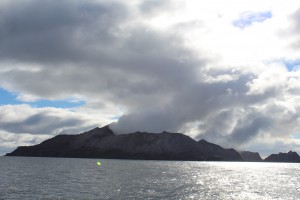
x: 164, y: 65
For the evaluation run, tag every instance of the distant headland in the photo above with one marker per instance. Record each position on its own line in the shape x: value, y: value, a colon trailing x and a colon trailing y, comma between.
x: 103, y: 143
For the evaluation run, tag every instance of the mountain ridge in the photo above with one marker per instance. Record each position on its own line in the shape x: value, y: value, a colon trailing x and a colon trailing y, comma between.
x: 103, y: 143
x: 291, y: 157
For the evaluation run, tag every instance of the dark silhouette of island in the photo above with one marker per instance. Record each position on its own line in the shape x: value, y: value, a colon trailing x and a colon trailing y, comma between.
x: 103, y: 143
x: 292, y: 157
x: 251, y: 156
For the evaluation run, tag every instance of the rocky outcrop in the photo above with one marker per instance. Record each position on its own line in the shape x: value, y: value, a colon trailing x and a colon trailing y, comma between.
x: 250, y: 156
x: 291, y: 157
x: 216, y: 152
x: 103, y: 143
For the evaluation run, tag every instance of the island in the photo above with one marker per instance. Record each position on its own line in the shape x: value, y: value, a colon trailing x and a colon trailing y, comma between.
x: 104, y: 143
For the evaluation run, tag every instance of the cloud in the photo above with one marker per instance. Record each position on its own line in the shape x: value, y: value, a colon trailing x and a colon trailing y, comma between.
x: 9, y: 141
x: 25, y: 125
x: 152, y: 66
x: 294, y: 29
x: 132, y: 62
x: 154, y: 6
x: 295, y: 17
x: 31, y: 31
x: 23, y: 119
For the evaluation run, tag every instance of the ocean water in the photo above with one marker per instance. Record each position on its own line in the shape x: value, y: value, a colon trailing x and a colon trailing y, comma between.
x: 68, y: 178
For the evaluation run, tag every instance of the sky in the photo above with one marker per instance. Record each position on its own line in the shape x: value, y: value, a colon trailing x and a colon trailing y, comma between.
x: 224, y: 71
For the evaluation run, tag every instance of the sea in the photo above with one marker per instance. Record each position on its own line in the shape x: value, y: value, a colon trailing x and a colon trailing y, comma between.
x: 75, y: 178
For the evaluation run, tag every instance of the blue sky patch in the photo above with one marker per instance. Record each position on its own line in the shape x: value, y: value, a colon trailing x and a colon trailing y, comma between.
x: 57, y: 104
x: 297, y: 136
x: 115, y: 118
x: 9, y: 98
x: 248, y: 18
x: 292, y: 65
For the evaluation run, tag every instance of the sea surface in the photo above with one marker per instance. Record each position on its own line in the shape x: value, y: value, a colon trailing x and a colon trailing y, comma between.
x: 72, y: 178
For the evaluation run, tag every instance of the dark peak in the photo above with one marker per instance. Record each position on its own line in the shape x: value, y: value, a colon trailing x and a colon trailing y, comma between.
x: 162, y: 133
x: 171, y: 133
x: 105, y: 130
x: 166, y: 132
x: 288, y: 153
x: 177, y: 136
x: 94, y: 129
x: 203, y: 141
x: 139, y: 132
x: 143, y: 132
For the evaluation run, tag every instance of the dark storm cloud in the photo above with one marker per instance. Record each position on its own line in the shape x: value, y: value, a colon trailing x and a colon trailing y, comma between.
x: 198, y: 102
x: 48, y: 31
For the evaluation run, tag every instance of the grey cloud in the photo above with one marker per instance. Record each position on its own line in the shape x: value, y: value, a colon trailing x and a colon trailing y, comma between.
x: 153, y: 6
x: 147, y: 64
x: 151, y: 120
x: 23, y: 125
x: 40, y: 123
x: 249, y: 128
x: 242, y: 124
x: 50, y: 31
x: 265, y: 148
x: 9, y: 141
x: 296, y: 18
x: 218, y: 125
x: 47, y: 121
x: 131, y: 65
x: 98, y: 50
x: 294, y: 30
x: 194, y: 103
x: 225, y: 111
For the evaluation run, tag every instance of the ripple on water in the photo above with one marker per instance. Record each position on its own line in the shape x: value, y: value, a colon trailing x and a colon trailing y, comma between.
x: 60, y: 178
